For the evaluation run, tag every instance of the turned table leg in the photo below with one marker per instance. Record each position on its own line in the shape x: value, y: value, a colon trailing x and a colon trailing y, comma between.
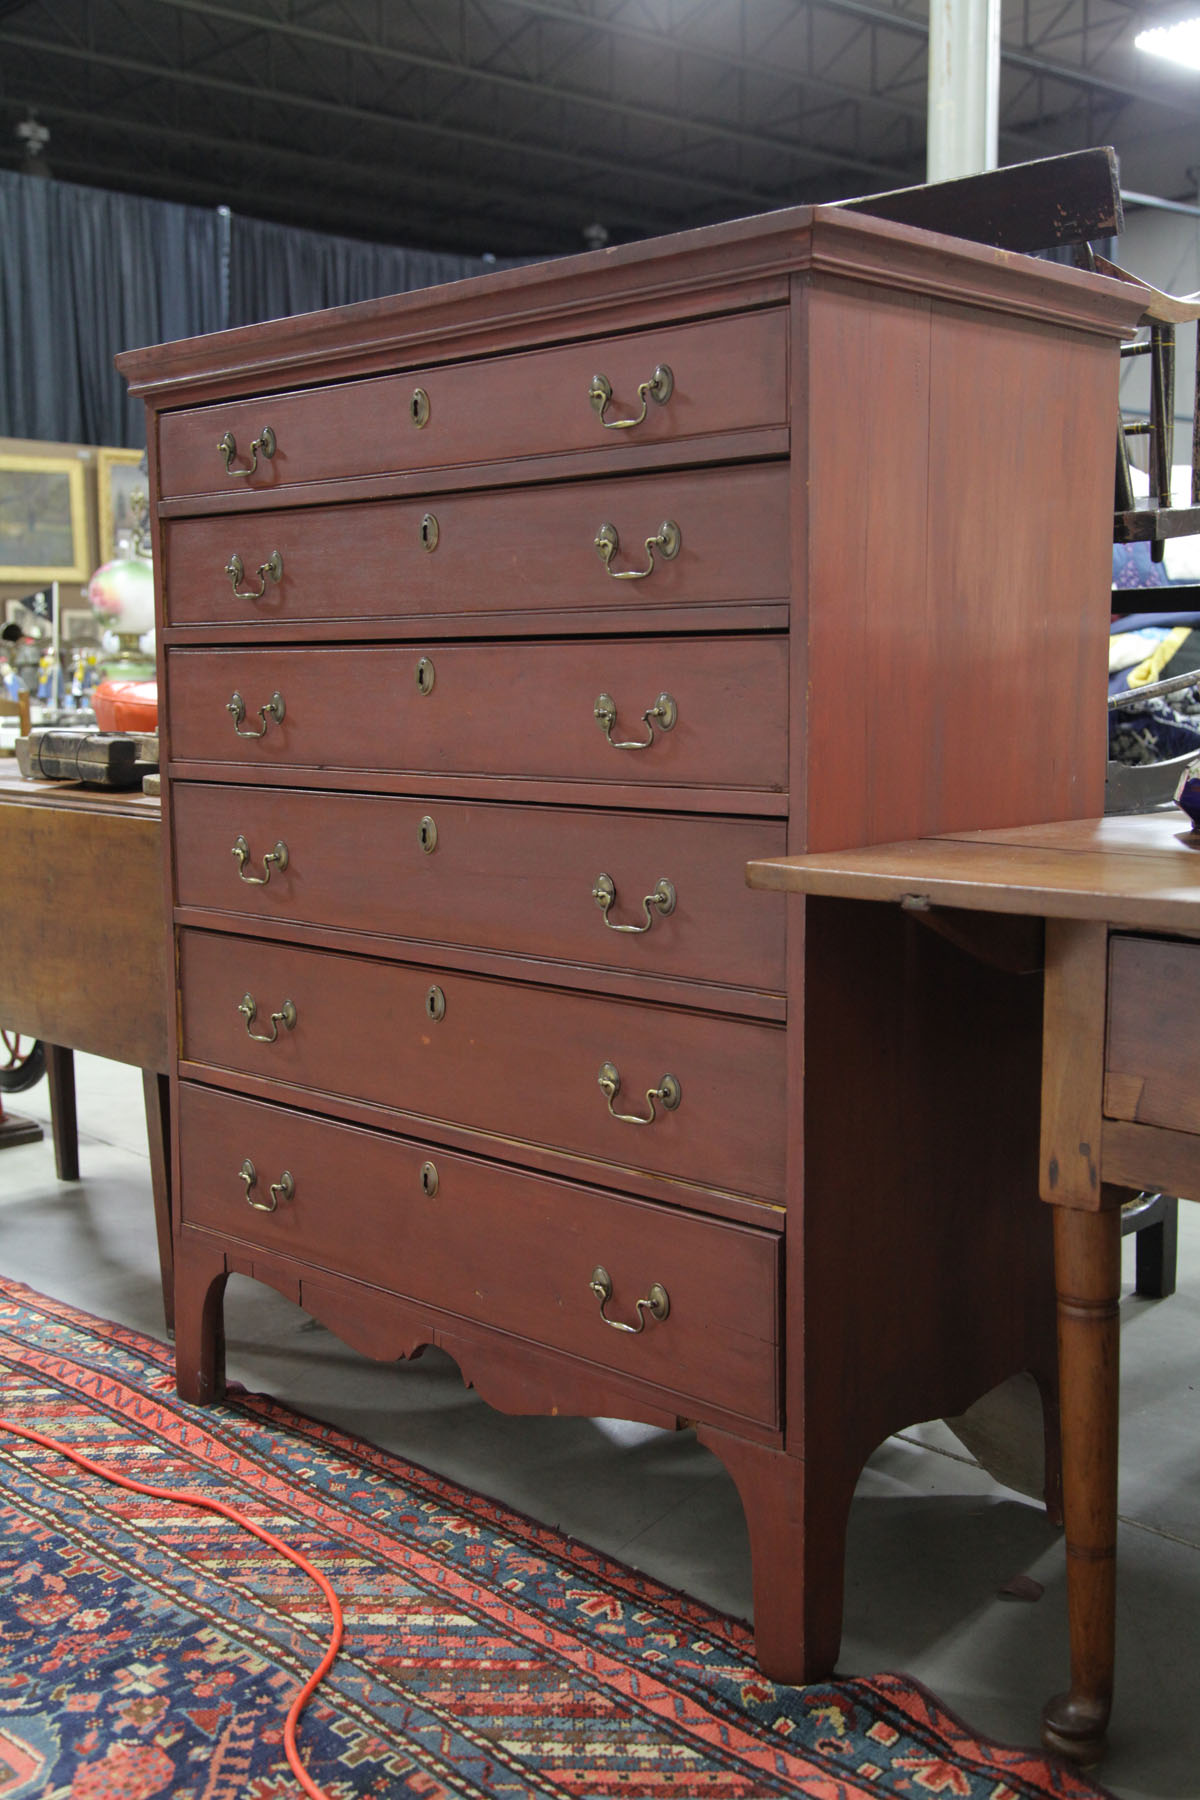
x: 1087, y: 1255
x: 1088, y: 1277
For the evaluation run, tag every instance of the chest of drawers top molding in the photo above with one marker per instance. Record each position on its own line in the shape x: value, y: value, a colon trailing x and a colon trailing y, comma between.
x: 721, y: 268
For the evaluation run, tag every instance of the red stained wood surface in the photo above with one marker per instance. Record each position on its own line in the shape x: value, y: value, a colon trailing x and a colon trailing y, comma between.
x: 957, y: 627
x: 509, y: 878
x: 359, y: 1207
x: 527, y: 710
x: 517, y: 1061
x: 727, y: 373
x: 528, y: 550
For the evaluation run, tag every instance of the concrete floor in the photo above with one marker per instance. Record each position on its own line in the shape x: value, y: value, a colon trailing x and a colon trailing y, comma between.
x: 932, y: 1536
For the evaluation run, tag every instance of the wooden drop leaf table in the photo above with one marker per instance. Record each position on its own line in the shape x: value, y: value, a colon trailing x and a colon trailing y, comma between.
x: 1120, y: 902
x: 84, y: 964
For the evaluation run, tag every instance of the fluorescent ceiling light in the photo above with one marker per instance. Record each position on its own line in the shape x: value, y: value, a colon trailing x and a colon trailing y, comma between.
x: 1179, y: 43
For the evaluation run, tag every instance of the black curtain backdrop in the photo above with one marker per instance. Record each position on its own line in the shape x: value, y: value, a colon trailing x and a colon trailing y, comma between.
x: 85, y: 273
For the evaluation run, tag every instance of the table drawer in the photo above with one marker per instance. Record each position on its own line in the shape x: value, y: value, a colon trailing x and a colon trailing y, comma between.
x: 523, y: 709
x: 1152, y: 1061
x: 726, y: 374
x: 499, y: 1246
x: 523, y: 550
x: 502, y: 1057
x: 520, y: 879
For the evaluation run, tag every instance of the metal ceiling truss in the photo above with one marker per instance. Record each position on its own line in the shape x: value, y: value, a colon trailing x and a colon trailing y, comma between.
x: 510, y: 124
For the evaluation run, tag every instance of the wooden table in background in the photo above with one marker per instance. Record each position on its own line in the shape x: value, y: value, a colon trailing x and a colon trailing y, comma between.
x: 84, y: 945
x: 1120, y: 899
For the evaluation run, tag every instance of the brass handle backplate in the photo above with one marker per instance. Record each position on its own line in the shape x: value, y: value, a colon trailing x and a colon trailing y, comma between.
x: 663, y: 901
x: 227, y: 445
x: 283, y: 1189
x: 664, y: 711
x: 667, y: 540
x: 286, y: 1016
x: 657, y: 1302
x: 235, y: 706
x: 668, y: 1093
x: 271, y: 570
x: 277, y: 857
x: 659, y: 388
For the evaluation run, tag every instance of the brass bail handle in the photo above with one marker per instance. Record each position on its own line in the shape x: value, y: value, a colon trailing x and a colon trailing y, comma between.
x: 659, y: 388
x: 283, y: 1189
x: 668, y: 1093
x: 657, y: 1302
x: 271, y: 570
x: 274, y: 708
x: 664, y: 712
x: 662, y: 899
x: 667, y: 540
x: 227, y: 445
x: 276, y: 858
x: 286, y: 1016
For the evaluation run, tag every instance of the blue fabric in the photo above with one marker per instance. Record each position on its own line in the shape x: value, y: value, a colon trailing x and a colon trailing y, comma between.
x: 1132, y: 567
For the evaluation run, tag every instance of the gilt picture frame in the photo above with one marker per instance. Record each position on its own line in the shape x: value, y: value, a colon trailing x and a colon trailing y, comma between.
x: 119, y: 477
x: 43, y: 519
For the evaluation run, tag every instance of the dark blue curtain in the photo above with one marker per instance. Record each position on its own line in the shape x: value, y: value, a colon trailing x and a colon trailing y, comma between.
x: 85, y: 273
x: 275, y: 270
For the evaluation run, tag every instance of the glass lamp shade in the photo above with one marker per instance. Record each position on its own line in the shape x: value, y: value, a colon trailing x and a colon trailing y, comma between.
x: 121, y: 594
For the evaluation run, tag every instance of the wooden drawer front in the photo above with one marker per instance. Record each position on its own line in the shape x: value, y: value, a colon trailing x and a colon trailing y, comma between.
x: 509, y: 878
x: 728, y: 374
x: 499, y: 1246
x: 517, y: 1061
x: 525, y: 550
x: 1152, y: 1065
x: 523, y: 709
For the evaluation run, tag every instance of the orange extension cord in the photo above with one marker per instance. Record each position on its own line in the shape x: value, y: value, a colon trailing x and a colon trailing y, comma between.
x: 268, y: 1537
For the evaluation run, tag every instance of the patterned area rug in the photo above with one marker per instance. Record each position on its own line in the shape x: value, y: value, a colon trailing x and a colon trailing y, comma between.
x: 151, y: 1649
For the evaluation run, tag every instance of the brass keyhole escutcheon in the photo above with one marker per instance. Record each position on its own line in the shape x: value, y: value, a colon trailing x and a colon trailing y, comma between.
x: 426, y: 676
x: 435, y: 1003
x: 427, y: 835
x: 431, y: 531
x: 418, y: 407
x: 429, y: 1179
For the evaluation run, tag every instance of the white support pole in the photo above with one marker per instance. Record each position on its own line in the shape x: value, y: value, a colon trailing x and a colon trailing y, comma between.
x: 964, y: 88
x: 55, y: 649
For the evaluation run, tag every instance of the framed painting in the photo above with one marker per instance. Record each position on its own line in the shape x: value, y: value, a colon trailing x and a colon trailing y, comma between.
x: 43, y: 519
x: 124, y: 493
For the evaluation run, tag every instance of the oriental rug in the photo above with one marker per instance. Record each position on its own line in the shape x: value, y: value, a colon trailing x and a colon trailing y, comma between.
x: 148, y: 1649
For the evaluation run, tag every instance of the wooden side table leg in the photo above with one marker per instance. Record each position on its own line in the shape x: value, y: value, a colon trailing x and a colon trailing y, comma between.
x: 1087, y: 1263
x: 60, y: 1074
x: 1088, y: 1276
x: 157, y: 1091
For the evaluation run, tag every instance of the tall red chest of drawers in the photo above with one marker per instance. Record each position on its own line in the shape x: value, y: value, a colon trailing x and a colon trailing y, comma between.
x: 501, y: 624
